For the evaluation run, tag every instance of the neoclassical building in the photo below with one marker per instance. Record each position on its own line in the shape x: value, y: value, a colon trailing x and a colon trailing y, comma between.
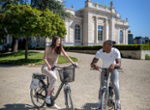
x: 94, y: 24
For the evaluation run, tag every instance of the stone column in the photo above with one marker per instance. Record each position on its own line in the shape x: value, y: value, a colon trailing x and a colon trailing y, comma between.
x: 85, y: 28
x: 118, y: 35
x: 112, y: 29
x: 96, y: 31
x: 126, y: 36
x: 106, y: 29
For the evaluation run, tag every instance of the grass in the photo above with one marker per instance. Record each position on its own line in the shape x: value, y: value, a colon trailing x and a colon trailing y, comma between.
x: 34, y: 58
x: 147, y: 57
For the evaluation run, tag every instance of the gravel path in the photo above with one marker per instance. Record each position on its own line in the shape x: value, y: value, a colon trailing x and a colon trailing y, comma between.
x: 134, y: 85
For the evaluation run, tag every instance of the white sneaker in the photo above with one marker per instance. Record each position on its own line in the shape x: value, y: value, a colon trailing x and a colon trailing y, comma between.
x: 48, y: 100
x: 56, y: 107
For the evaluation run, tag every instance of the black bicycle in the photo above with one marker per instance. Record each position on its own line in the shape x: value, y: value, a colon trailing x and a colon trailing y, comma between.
x: 39, y: 92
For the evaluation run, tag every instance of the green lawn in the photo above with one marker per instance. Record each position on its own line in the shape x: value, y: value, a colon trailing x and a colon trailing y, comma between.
x: 34, y: 58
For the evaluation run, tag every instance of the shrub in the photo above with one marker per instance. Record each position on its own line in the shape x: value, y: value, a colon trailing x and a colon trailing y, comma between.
x: 147, y: 57
x: 120, y: 47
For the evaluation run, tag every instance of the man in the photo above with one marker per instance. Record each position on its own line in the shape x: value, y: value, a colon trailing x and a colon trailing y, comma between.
x: 111, y: 60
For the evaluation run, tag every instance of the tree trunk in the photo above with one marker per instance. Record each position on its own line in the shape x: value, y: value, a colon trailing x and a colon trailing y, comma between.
x: 26, y: 49
x: 15, y: 45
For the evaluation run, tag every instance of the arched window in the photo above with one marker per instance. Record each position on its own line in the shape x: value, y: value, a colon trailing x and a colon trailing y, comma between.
x: 77, y: 33
x: 121, y: 36
x: 100, y: 33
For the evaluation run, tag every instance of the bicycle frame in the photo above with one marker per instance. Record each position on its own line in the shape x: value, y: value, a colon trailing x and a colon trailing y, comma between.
x: 57, y: 93
x: 66, y: 84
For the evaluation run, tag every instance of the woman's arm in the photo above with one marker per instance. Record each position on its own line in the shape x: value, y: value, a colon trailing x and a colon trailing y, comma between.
x: 66, y: 55
x: 45, y: 58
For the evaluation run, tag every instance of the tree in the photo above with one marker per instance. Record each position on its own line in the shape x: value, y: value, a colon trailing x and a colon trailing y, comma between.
x: 23, y: 20
x: 53, y: 5
x: 4, y: 4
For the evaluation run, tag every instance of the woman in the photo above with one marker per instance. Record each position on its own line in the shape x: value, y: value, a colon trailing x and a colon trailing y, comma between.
x: 50, y: 58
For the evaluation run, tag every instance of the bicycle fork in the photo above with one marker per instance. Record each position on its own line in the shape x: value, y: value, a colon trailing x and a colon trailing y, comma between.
x: 66, y: 90
x: 68, y: 99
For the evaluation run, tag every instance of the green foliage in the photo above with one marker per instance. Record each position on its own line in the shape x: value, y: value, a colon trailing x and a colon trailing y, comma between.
x: 147, y: 57
x: 2, y: 29
x: 35, y: 58
x: 133, y: 47
x: 23, y: 20
x: 6, y: 2
x: 120, y: 47
x: 82, y: 47
x: 51, y: 24
x: 53, y: 5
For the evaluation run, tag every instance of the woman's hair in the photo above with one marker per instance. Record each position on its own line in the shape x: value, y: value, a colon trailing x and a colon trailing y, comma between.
x: 53, y: 45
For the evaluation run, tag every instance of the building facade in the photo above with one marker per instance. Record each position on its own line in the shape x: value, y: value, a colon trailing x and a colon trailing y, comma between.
x: 141, y: 40
x: 94, y: 24
x: 130, y: 38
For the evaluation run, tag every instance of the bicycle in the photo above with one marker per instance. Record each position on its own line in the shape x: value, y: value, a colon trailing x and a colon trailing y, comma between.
x: 107, y: 92
x: 66, y: 74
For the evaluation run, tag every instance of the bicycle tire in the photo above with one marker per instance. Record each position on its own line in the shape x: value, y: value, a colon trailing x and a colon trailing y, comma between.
x: 38, y: 95
x: 103, y: 101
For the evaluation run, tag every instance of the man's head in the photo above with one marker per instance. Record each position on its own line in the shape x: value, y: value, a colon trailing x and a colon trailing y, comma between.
x: 107, y: 45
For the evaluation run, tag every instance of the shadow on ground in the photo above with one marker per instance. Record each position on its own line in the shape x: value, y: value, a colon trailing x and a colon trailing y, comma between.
x: 19, y: 107
x: 27, y: 107
x: 90, y: 106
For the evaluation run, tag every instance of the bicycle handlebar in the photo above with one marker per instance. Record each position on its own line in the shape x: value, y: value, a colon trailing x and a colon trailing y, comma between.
x: 100, y: 68
x: 58, y: 67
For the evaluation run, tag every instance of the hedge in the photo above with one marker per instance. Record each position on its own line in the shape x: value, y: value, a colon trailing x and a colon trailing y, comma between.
x: 120, y: 47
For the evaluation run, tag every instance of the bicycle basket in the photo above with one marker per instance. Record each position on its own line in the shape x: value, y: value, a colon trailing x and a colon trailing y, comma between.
x: 67, y: 74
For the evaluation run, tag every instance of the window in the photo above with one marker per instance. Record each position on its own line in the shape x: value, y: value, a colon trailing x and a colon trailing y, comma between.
x: 121, y: 36
x: 77, y: 33
x: 100, y: 33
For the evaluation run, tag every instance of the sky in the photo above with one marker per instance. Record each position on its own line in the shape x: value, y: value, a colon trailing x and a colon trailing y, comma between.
x: 137, y: 12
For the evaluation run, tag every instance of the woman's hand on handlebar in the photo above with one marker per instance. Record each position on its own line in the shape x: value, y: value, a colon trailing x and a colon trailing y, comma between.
x: 75, y: 64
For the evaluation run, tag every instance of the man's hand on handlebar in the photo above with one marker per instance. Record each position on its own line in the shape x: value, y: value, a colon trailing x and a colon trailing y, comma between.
x: 95, y: 67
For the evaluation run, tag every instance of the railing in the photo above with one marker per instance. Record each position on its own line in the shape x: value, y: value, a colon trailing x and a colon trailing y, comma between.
x: 101, y: 7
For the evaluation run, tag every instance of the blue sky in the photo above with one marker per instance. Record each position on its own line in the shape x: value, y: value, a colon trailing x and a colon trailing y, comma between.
x: 137, y: 12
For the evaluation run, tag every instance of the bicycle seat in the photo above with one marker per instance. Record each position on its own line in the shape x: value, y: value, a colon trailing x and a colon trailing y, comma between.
x: 39, y: 76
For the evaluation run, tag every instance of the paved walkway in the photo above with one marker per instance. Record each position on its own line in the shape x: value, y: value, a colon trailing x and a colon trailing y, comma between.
x: 134, y: 85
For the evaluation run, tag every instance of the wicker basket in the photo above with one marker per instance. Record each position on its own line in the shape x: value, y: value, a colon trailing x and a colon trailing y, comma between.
x: 67, y: 74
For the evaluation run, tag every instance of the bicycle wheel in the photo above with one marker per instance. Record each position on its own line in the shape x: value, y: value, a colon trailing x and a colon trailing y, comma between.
x: 38, y: 96
x: 69, y: 103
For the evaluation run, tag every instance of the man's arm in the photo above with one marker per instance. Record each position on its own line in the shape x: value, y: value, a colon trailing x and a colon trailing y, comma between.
x: 118, y: 63
x: 94, y: 62
x: 114, y: 66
